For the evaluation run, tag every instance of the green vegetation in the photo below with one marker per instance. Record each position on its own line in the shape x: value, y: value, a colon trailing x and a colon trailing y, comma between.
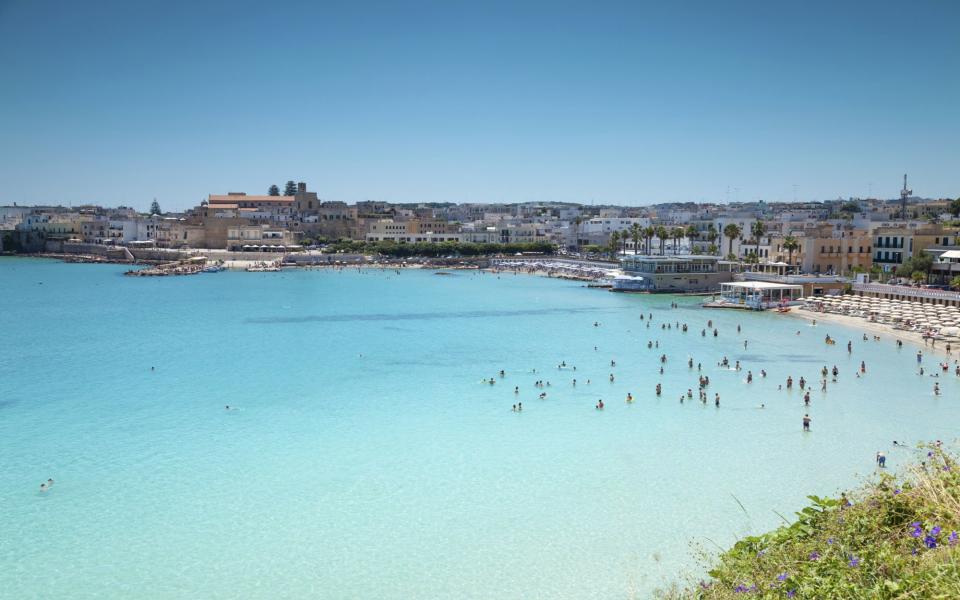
x: 897, y: 537
x: 439, y: 249
x: 955, y: 208
x: 955, y: 283
x: 273, y: 191
x: 791, y: 245
x: 155, y: 208
x: 916, y: 267
x: 732, y: 232
x: 290, y: 188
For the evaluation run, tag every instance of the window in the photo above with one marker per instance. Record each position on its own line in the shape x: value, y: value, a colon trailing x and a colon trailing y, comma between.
x: 849, y: 249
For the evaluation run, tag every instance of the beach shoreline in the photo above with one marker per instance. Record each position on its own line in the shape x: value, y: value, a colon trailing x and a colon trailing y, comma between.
x: 871, y: 329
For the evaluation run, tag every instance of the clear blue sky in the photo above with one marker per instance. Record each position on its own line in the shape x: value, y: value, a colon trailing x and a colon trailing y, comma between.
x: 116, y: 102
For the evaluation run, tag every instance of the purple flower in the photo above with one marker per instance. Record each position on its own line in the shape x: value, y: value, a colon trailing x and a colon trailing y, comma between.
x: 947, y: 468
x: 936, y: 531
x: 895, y: 492
x: 917, y: 530
x: 740, y: 589
x: 782, y: 577
x: 929, y: 454
x: 953, y: 538
x: 914, y: 552
x: 830, y: 540
x: 791, y: 593
x: 930, y: 542
x: 814, y: 555
x: 854, y: 561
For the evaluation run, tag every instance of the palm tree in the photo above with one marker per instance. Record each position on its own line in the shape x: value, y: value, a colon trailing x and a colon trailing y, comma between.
x: 614, y: 243
x: 758, y: 229
x: 648, y: 232
x: 712, y: 235
x: 791, y: 245
x: 677, y: 234
x: 733, y: 232
x: 662, y: 234
x: 635, y: 234
x: 692, y: 232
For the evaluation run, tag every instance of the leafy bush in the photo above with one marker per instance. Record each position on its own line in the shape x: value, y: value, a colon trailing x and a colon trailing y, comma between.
x: 894, y: 538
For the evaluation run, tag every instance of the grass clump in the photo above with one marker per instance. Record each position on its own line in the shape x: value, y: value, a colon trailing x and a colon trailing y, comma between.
x: 897, y: 537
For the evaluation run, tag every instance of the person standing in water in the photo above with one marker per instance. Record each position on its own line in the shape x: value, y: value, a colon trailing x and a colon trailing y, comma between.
x: 806, y: 422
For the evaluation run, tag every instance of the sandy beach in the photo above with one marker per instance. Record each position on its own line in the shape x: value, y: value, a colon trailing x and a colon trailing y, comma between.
x: 885, y: 332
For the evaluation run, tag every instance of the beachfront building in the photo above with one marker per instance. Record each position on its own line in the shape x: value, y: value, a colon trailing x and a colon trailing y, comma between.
x: 259, y: 237
x: 812, y: 285
x: 757, y: 295
x: 836, y: 249
x: 683, y: 273
x: 259, y: 208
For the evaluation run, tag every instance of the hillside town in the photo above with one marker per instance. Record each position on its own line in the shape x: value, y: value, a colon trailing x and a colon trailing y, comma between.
x: 908, y: 238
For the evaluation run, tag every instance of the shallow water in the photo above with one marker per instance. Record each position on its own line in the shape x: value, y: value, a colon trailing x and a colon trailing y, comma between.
x: 367, y: 459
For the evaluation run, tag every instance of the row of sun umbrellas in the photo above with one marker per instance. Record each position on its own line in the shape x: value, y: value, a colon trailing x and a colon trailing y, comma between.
x: 904, y: 314
x: 561, y: 267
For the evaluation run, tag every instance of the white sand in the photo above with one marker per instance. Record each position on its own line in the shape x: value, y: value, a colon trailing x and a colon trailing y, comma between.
x: 885, y: 332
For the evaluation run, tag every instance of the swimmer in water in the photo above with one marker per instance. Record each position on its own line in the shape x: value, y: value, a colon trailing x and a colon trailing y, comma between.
x: 629, y: 397
x: 806, y: 422
x: 519, y: 406
x: 716, y: 401
x: 600, y: 405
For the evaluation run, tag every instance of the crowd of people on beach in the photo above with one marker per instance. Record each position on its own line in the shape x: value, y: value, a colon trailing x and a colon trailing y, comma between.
x: 827, y: 375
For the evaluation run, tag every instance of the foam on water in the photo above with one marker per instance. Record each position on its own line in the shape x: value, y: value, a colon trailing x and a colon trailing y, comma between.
x: 367, y: 458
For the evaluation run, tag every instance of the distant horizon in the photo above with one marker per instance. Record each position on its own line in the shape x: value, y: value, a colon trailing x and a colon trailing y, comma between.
x: 625, y: 104
x: 598, y: 204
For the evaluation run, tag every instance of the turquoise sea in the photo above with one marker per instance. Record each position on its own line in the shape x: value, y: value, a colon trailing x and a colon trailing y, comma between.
x: 366, y: 457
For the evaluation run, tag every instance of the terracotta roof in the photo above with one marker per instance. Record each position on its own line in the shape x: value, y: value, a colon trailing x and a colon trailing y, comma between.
x: 222, y: 206
x: 234, y: 198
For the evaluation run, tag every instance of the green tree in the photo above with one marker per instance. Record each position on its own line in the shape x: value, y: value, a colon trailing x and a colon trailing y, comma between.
x: 290, y: 188
x: 155, y: 208
x: 918, y: 276
x: 677, y: 234
x: 662, y: 235
x: 955, y: 208
x: 712, y: 249
x: 712, y: 236
x: 635, y: 234
x: 955, y: 282
x: 273, y: 191
x: 791, y: 245
x: 614, y: 244
x: 648, y: 232
x: 757, y: 229
x: 732, y: 232
x: 692, y: 234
